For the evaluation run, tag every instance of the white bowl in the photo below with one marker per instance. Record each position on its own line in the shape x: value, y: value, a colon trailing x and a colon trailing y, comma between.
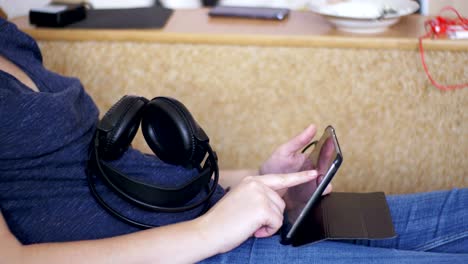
x: 363, y: 16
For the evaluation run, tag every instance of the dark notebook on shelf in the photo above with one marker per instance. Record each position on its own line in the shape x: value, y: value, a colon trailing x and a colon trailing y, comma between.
x: 135, y: 18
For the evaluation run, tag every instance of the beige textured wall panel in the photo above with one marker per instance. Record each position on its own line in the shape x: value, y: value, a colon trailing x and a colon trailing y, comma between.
x: 398, y: 134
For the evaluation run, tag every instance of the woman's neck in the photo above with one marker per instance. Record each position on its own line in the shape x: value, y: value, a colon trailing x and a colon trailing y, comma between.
x: 11, y: 68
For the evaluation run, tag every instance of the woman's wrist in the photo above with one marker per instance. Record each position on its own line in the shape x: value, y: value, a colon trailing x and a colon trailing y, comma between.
x: 208, y: 234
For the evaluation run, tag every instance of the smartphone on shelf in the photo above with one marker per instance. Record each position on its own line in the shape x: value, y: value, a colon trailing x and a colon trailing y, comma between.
x: 249, y: 12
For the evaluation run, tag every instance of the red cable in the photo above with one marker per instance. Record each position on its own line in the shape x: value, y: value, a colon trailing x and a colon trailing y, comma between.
x: 435, y: 28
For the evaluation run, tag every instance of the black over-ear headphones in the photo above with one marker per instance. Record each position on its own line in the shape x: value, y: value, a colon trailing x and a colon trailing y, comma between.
x: 172, y: 134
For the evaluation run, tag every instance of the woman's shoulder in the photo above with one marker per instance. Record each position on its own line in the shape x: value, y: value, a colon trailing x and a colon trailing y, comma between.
x: 17, y: 45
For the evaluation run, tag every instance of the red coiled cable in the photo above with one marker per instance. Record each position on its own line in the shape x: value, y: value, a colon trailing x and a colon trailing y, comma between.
x: 439, y: 27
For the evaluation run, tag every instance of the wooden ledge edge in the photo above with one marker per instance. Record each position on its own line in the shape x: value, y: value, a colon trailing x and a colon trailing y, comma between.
x: 245, y: 39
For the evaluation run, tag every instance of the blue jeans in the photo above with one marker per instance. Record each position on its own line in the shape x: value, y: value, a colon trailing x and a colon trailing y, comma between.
x: 431, y: 227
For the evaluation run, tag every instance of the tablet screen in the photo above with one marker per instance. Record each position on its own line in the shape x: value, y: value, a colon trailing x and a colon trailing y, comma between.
x: 325, y: 158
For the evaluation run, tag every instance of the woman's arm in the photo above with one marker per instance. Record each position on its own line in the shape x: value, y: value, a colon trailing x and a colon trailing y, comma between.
x: 253, y: 208
x: 158, y: 245
x: 9, y: 246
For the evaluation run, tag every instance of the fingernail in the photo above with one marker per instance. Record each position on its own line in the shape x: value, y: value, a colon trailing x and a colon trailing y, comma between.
x: 312, y: 173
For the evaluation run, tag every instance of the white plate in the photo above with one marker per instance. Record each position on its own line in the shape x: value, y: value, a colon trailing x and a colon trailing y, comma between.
x: 363, y: 16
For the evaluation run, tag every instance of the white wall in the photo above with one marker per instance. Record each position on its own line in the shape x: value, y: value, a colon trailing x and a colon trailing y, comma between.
x: 428, y: 7
x: 433, y: 7
x: 293, y: 4
x: 14, y: 8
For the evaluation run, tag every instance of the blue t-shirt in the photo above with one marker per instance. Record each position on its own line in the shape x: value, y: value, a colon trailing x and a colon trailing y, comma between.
x: 44, y: 141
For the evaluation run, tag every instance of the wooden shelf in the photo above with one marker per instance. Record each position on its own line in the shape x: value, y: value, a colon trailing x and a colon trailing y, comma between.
x: 301, y: 29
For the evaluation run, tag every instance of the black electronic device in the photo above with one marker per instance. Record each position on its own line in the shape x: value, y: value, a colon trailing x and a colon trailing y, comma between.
x: 172, y: 134
x: 57, y: 15
x: 326, y: 158
x: 249, y: 12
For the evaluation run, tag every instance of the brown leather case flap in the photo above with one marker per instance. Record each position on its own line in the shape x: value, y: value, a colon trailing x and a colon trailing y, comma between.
x: 341, y: 216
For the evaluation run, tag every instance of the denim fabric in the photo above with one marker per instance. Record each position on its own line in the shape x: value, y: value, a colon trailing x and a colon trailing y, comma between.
x: 431, y: 227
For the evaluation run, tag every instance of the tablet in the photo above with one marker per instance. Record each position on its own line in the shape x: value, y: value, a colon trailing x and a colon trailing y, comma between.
x: 326, y: 158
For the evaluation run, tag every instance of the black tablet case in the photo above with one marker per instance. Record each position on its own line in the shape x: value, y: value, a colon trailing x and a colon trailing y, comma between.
x: 342, y: 216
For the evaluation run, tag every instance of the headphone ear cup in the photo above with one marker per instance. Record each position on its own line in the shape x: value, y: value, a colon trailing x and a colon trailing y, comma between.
x: 172, y: 133
x: 119, y: 126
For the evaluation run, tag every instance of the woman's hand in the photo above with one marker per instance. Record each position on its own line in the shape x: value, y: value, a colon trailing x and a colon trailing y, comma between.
x: 288, y: 157
x: 252, y: 208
